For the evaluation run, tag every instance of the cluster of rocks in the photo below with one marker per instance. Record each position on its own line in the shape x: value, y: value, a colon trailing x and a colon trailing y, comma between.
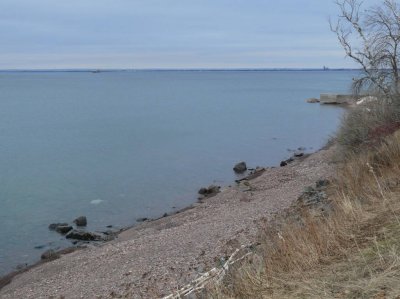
x: 208, y: 191
x: 78, y: 233
x: 296, y: 154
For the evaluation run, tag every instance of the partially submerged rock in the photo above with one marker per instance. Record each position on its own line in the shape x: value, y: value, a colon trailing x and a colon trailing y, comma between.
x: 210, y: 191
x: 83, y: 235
x: 54, y: 226
x: 63, y: 229
x: 240, y: 167
x: 286, y: 162
x: 80, y: 221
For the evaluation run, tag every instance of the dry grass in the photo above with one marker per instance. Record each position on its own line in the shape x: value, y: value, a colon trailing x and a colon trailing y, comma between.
x: 354, y: 252
x: 364, y: 125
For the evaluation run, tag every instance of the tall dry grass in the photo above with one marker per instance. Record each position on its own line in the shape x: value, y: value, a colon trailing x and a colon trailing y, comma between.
x: 354, y: 252
x: 365, y: 124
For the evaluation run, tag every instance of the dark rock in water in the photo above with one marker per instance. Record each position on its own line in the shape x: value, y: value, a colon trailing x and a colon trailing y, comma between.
x: 207, y: 192
x: 298, y: 154
x: 322, y: 183
x: 81, y: 221
x: 165, y: 215
x: 142, y: 219
x: 50, y: 255
x: 109, y: 226
x: 83, y: 235
x: 203, y: 191
x: 63, y: 229
x: 240, y: 167
x: 213, y: 189
x: 287, y: 161
x: 54, y: 226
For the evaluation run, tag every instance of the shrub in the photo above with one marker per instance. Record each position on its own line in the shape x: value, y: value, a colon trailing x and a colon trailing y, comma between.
x: 365, y: 125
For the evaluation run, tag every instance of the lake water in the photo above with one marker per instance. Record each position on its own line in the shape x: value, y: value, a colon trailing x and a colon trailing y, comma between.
x: 117, y: 146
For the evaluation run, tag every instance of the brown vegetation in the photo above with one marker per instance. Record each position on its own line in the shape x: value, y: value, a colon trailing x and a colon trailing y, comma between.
x: 351, y: 252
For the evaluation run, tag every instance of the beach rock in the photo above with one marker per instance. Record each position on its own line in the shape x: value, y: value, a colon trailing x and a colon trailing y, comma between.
x: 211, y: 190
x: 286, y: 162
x: 240, y: 167
x: 298, y: 154
x: 312, y: 100
x: 54, y: 226
x: 83, y: 235
x: 50, y: 255
x: 81, y: 221
x: 63, y: 229
x: 203, y: 191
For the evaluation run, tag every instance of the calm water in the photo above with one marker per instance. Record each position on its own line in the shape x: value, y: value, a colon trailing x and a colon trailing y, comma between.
x: 116, y: 146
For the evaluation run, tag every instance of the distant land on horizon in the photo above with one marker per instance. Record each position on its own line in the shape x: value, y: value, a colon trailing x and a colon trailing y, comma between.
x: 99, y: 70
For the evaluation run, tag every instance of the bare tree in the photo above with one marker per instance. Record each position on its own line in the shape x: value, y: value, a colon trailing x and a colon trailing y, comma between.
x: 371, y: 38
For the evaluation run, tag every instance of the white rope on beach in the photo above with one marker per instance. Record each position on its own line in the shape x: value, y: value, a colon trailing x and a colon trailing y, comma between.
x: 215, y: 274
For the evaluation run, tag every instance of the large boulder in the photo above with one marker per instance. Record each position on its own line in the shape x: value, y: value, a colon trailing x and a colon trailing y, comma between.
x: 83, y: 235
x: 240, y: 167
x: 81, y: 221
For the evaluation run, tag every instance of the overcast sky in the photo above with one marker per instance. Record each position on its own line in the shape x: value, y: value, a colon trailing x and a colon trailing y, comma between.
x: 45, y: 34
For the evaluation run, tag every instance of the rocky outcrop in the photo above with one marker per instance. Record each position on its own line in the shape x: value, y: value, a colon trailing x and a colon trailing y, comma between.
x: 240, y: 167
x: 83, y: 235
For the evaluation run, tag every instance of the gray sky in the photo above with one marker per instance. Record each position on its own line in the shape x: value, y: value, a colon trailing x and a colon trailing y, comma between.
x: 42, y: 34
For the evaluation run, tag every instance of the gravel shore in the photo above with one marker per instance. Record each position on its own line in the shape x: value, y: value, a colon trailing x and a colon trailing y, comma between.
x: 155, y: 258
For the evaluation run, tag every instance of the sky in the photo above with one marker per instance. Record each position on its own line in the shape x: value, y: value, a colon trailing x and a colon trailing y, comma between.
x: 162, y: 34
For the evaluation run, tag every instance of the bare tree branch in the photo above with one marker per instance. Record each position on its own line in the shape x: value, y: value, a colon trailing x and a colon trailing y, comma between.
x: 371, y: 38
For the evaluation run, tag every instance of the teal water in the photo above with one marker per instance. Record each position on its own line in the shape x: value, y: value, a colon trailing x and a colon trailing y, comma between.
x: 116, y: 146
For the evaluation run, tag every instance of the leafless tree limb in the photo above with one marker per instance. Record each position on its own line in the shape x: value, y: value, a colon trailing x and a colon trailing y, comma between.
x: 371, y: 38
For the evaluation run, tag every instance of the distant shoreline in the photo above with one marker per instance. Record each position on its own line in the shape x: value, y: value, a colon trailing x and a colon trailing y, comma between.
x: 101, y: 70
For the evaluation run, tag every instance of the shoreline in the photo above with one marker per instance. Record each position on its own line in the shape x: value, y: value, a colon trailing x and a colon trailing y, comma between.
x: 183, y: 218
x: 248, y: 175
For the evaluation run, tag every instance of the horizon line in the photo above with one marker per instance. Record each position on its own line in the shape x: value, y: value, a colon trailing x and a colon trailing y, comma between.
x: 171, y: 69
